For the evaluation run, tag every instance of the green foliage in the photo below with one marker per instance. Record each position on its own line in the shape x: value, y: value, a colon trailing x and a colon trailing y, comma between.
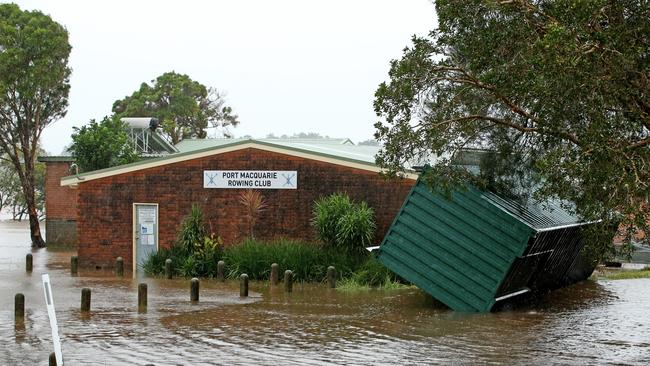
x: 102, y: 145
x: 155, y: 263
x: 340, y: 223
x: 626, y: 275
x: 371, y: 274
x: 308, y: 262
x: 192, y: 233
x: 195, y: 254
x: 185, y: 108
x: 558, y: 90
x: 356, y: 229
x: 34, y: 86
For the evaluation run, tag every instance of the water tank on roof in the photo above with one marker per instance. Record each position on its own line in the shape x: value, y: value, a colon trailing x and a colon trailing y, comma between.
x: 141, y: 122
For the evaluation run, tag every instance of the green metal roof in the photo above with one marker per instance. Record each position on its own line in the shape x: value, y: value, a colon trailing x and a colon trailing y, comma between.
x: 461, y: 249
x: 341, y: 148
x: 538, y: 215
x: 357, y: 155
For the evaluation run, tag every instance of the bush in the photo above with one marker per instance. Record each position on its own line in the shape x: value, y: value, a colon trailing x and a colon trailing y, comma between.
x: 192, y: 230
x: 194, y: 255
x: 340, y: 223
x: 307, y: 261
x: 371, y: 274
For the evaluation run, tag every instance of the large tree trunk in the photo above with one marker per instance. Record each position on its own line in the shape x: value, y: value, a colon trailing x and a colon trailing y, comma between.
x: 34, y: 224
x: 27, y: 183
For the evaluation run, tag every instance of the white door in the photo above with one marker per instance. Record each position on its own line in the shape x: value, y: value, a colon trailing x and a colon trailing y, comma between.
x: 145, y: 233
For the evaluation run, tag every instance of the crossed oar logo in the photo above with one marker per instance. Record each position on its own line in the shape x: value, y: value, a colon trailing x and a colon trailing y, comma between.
x: 288, y: 180
x: 211, y: 178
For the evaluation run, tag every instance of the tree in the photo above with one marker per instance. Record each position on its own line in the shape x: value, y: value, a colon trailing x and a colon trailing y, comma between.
x: 560, y: 89
x: 102, y: 145
x: 34, y: 86
x: 185, y: 107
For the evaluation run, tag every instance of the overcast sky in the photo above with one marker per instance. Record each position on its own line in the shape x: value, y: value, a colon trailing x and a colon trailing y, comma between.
x: 286, y: 66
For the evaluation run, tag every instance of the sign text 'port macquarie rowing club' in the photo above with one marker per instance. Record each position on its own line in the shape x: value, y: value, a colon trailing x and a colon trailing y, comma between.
x: 250, y: 179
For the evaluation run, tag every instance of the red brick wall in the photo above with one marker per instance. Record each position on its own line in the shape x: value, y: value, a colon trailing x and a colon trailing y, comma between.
x: 60, y: 202
x: 104, y: 226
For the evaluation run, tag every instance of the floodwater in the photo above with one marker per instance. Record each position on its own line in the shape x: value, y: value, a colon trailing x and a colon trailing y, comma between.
x: 606, y: 322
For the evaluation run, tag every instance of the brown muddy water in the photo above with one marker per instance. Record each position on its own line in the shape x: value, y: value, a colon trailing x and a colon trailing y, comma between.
x: 605, y: 322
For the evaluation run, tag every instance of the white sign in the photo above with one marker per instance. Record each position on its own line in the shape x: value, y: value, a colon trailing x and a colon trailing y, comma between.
x: 147, y: 214
x: 250, y: 179
x: 49, y: 302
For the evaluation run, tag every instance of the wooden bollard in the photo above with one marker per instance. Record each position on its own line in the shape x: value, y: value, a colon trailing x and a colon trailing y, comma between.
x: 274, y: 274
x: 331, y: 276
x: 119, y: 267
x: 142, y: 297
x: 194, y: 289
x: 52, y: 359
x: 288, y: 281
x: 85, y: 300
x: 221, y: 269
x: 74, y: 265
x: 168, y: 269
x: 19, y: 307
x: 29, y: 262
x: 243, y: 285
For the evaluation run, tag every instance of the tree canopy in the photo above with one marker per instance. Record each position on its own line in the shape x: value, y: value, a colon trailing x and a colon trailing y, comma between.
x: 34, y: 86
x: 186, y: 108
x: 102, y: 145
x: 558, y: 90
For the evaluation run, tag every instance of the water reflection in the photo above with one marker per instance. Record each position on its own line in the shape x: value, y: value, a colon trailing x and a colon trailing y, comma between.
x: 589, y: 323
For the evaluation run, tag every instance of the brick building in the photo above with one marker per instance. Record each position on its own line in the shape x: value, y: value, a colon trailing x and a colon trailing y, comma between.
x: 131, y: 210
x: 60, y: 203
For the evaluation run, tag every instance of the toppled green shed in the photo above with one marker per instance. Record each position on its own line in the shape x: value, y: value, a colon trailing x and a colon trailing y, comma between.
x: 474, y: 249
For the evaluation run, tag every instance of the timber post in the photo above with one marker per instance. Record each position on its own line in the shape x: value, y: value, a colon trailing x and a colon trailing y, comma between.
x: 288, y: 281
x: 85, y: 300
x: 19, y: 307
x: 221, y: 269
x: 119, y: 267
x: 142, y: 297
x: 74, y: 265
x: 168, y: 269
x: 243, y: 285
x: 275, y: 274
x: 331, y: 276
x: 194, y: 290
x: 29, y: 262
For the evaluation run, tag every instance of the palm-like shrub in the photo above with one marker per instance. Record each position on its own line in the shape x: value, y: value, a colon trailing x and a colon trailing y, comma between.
x: 192, y: 232
x: 343, y: 224
x: 254, y: 203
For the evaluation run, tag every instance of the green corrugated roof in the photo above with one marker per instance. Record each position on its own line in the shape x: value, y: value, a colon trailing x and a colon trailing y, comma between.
x: 537, y: 215
x: 359, y: 155
x: 341, y: 148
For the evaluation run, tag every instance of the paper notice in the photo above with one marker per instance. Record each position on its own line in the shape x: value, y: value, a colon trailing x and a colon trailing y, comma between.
x: 146, y: 229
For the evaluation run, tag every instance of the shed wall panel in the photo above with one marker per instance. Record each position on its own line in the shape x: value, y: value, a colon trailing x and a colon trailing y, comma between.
x: 458, y: 248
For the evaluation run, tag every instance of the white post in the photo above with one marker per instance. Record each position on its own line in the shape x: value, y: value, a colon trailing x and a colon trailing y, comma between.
x: 49, y: 301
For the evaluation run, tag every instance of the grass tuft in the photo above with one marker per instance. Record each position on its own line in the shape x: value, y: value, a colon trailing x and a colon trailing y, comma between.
x: 626, y: 275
